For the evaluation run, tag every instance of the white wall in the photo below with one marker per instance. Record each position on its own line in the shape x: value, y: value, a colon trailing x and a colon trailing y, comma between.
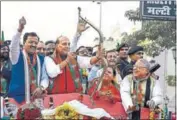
x: 167, y: 67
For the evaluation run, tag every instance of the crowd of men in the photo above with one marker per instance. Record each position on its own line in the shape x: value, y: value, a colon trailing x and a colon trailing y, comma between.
x: 35, y: 69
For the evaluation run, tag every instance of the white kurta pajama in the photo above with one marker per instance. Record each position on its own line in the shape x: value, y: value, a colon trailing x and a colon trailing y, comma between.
x: 125, y: 90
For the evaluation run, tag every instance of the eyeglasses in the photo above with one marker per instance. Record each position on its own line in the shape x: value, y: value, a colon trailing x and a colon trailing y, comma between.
x: 140, y: 53
x: 83, y: 52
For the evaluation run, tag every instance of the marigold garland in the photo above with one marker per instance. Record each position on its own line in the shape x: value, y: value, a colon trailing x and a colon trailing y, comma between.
x: 66, y: 112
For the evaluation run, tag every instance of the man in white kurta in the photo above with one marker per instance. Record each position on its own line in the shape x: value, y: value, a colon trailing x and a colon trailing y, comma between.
x: 26, y: 66
x: 63, y: 67
x: 51, y: 70
x: 46, y: 79
x: 139, y: 90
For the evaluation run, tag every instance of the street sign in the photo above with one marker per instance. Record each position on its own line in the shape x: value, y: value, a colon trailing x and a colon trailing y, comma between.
x: 158, y: 10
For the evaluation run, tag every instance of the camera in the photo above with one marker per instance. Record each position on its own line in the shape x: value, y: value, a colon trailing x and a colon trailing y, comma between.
x: 154, y: 68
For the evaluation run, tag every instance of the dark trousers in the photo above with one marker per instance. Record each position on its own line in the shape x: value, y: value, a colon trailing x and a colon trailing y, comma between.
x: 136, y: 115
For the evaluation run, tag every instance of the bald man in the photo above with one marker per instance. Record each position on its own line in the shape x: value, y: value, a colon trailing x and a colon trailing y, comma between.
x: 63, y: 67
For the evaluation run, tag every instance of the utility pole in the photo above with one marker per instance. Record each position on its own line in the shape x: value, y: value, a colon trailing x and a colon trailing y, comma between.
x: 100, y: 14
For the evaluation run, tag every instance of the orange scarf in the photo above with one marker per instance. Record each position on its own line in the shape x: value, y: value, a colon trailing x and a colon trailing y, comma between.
x: 64, y: 82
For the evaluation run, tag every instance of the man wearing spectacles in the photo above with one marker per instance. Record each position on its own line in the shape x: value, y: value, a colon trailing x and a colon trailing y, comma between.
x: 140, y: 90
x: 82, y: 51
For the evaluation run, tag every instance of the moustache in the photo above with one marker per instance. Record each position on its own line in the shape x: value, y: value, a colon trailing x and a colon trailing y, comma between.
x: 32, y: 47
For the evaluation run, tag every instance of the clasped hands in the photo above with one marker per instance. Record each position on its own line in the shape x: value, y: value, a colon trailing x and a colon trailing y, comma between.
x: 105, y: 95
x: 39, y: 93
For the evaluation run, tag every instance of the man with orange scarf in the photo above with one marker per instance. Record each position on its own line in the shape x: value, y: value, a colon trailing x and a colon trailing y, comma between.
x: 63, y: 66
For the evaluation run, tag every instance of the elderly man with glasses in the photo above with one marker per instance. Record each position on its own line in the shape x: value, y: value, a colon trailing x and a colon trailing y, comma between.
x: 135, y: 53
x: 139, y: 90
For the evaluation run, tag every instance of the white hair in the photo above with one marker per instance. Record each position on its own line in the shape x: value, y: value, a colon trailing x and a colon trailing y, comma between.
x: 145, y: 62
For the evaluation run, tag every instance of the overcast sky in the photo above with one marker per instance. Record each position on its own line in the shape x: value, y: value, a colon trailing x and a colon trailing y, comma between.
x: 51, y: 19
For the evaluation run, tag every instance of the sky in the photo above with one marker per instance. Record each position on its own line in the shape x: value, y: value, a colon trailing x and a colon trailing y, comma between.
x: 51, y: 19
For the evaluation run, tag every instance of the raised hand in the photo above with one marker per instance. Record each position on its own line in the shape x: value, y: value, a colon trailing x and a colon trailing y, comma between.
x: 70, y: 56
x: 39, y: 93
x: 81, y: 26
x: 101, y: 52
x: 22, y: 23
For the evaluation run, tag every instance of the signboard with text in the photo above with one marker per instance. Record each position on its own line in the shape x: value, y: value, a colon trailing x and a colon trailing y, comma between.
x: 158, y: 10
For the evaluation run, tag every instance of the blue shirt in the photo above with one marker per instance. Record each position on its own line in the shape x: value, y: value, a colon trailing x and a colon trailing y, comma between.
x: 93, y: 73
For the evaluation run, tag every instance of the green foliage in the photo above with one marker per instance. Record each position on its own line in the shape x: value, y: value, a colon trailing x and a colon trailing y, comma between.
x: 171, y: 80
x: 133, y: 15
x: 161, y: 34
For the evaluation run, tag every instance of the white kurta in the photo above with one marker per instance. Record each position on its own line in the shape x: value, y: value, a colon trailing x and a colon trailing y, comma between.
x: 14, y: 57
x: 15, y: 48
x: 50, y: 69
x: 125, y: 90
x: 53, y: 69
